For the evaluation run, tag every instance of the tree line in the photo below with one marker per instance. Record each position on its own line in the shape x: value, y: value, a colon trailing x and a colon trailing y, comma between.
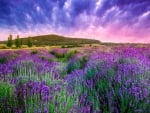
x: 18, y: 41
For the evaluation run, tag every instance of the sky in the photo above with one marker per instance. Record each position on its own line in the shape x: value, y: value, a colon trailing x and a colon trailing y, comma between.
x: 104, y: 20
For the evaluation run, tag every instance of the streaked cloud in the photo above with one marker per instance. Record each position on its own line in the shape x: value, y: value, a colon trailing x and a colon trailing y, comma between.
x: 106, y: 20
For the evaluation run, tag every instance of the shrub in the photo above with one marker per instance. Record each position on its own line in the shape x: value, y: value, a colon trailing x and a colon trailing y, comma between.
x: 63, y: 46
x: 34, y: 52
x: 3, y: 47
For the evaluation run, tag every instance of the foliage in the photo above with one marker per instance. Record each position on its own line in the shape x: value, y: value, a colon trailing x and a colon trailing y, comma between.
x: 63, y: 55
x: 3, y: 60
x: 21, y: 42
x: 10, y: 41
x: 29, y: 43
x: 34, y: 52
x: 70, y: 46
x: 7, y: 101
x: 18, y: 42
x: 77, y: 64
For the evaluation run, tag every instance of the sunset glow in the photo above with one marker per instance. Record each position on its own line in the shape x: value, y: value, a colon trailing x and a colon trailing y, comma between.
x: 105, y: 20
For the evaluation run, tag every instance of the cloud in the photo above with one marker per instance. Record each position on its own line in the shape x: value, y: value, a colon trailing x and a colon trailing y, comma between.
x: 129, y: 18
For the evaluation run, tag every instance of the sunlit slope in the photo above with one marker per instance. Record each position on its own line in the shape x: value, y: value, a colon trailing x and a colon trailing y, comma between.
x: 58, y: 40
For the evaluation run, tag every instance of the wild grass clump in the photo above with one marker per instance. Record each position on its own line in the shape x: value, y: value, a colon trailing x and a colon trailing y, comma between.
x: 3, y: 60
x: 70, y: 54
x: 77, y: 64
x: 7, y: 101
x: 63, y: 56
x: 57, y: 54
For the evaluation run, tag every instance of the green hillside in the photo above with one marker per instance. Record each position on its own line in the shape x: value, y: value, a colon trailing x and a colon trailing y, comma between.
x: 57, y: 40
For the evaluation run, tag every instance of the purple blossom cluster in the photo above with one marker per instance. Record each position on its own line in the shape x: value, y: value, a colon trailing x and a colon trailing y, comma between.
x: 90, y: 81
x: 24, y: 63
x: 110, y: 79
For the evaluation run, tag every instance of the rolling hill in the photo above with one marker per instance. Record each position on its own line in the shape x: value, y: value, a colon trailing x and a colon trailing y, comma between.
x: 57, y: 40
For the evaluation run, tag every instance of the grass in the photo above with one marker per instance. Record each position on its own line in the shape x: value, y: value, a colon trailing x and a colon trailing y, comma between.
x: 77, y: 64
x: 7, y: 101
x: 63, y: 57
x: 34, y: 102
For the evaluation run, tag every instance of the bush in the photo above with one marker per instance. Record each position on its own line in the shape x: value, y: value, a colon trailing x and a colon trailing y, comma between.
x: 3, y: 47
x: 34, y: 52
x: 63, y: 46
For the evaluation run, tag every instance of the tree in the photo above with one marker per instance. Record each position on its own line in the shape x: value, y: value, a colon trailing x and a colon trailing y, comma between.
x: 17, y: 42
x: 10, y: 41
x: 29, y: 42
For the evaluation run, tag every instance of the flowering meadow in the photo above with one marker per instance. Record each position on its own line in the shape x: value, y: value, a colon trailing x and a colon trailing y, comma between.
x: 86, y: 80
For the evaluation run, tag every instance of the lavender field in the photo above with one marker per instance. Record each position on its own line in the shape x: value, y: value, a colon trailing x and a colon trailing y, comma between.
x: 84, y: 80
